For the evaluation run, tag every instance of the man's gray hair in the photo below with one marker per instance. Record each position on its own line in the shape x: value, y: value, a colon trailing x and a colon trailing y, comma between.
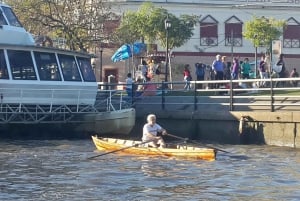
x: 150, y: 116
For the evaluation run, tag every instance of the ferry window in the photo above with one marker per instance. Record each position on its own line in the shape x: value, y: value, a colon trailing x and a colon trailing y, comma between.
x: 11, y: 17
x: 47, y: 66
x: 69, y: 68
x: 3, y: 66
x: 86, y: 69
x: 2, y: 19
x: 21, y: 65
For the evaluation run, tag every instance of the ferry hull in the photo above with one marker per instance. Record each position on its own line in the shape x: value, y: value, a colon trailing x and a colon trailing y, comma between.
x: 112, y: 122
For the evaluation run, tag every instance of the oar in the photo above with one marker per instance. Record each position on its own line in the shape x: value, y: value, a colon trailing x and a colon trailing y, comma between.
x: 187, y: 139
x: 110, y: 152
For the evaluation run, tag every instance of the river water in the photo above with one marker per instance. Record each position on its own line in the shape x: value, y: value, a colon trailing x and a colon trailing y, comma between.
x: 60, y: 170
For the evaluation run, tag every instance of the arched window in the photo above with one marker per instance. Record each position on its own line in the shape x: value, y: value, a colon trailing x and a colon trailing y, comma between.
x: 233, y: 32
x: 208, y: 31
x: 291, y: 34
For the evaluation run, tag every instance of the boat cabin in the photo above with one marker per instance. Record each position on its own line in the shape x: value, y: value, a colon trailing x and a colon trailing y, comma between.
x: 31, y: 74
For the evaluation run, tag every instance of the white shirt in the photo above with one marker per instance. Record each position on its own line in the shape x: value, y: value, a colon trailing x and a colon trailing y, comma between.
x: 150, y: 129
x: 129, y: 82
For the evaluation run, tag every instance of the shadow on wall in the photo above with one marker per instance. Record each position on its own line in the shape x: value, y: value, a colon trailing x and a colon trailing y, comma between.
x: 252, y: 132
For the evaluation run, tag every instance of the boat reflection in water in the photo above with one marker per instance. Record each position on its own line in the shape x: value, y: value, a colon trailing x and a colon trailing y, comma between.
x: 50, y: 85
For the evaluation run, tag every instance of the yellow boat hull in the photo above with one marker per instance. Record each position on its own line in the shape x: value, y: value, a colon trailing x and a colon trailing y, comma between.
x: 127, y: 146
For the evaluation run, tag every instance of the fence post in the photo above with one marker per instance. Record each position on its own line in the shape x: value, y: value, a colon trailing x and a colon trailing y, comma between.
x: 195, y: 97
x: 272, y: 94
x: 231, y: 95
x: 163, y: 87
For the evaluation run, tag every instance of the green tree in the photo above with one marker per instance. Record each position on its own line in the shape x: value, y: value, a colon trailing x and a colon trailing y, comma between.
x: 80, y: 22
x: 148, y: 23
x: 261, y: 31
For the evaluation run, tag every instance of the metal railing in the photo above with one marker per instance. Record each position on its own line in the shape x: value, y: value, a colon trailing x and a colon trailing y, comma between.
x: 272, y: 94
x: 55, y: 105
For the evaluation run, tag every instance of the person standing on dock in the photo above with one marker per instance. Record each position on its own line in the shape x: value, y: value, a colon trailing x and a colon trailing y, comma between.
x: 293, y: 74
x: 200, y: 73
x: 129, y: 84
x: 235, y: 69
x: 144, y: 70
x: 187, y: 77
x: 245, y: 68
x: 150, y: 132
x: 217, y: 67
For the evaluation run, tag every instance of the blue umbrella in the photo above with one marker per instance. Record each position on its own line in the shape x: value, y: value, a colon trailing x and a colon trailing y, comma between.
x: 124, y: 52
x: 139, y: 48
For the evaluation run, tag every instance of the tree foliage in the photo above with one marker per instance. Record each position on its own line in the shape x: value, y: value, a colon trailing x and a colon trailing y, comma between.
x: 80, y: 22
x: 148, y: 23
x: 261, y: 31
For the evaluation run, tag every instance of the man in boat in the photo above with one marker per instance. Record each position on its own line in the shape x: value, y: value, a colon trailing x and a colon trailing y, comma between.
x: 151, y: 131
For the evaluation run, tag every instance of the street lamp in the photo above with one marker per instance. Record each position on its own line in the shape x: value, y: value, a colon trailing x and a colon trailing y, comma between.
x: 101, y: 59
x: 255, y: 57
x: 167, y: 26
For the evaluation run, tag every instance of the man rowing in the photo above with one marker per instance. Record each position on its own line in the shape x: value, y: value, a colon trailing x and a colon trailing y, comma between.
x: 150, y: 132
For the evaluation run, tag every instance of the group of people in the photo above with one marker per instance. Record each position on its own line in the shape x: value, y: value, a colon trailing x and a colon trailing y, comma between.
x: 277, y: 71
x: 222, y: 71
x: 187, y: 77
x: 143, y: 84
x: 241, y: 70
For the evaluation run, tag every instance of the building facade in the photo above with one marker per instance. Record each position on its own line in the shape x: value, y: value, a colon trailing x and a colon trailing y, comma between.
x: 221, y: 24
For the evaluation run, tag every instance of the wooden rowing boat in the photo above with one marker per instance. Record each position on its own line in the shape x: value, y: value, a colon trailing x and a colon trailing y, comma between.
x: 128, y: 146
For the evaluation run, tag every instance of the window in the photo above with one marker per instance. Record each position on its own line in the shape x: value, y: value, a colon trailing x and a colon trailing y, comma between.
x: 233, y: 32
x: 2, y: 19
x: 291, y: 34
x: 47, y: 66
x: 69, y: 68
x: 208, y: 31
x: 3, y: 66
x: 86, y: 69
x: 11, y: 17
x: 21, y: 65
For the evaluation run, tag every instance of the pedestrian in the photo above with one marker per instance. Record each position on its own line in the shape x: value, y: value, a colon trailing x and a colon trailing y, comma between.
x: 235, y: 69
x: 144, y: 70
x: 187, y: 77
x: 217, y: 67
x: 262, y: 70
x: 245, y: 69
x: 200, y: 73
x: 129, y: 84
x: 281, y: 65
x: 294, y: 74
x: 226, y: 68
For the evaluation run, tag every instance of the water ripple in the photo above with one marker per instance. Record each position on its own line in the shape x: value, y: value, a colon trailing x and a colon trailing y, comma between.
x: 59, y: 170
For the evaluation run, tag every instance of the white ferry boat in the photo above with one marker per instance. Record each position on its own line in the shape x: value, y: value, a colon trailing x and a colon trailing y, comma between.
x: 50, y: 85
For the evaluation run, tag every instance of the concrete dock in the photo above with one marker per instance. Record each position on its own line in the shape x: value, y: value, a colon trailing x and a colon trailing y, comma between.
x: 211, y: 119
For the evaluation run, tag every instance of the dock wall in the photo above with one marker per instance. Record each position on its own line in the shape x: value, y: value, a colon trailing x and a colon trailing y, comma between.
x: 250, y: 127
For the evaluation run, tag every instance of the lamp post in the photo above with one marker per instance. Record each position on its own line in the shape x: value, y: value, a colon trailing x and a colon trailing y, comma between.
x: 167, y: 26
x: 101, y: 57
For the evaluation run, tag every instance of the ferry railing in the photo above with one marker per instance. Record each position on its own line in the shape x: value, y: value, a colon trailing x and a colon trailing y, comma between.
x: 55, y: 105
x: 111, y: 97
x: 277, y: 94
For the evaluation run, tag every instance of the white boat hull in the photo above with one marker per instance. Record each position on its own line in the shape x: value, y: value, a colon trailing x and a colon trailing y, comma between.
x: 112, y: 122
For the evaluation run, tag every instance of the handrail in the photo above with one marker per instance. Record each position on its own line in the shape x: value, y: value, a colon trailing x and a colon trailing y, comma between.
x: 230, y: 94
